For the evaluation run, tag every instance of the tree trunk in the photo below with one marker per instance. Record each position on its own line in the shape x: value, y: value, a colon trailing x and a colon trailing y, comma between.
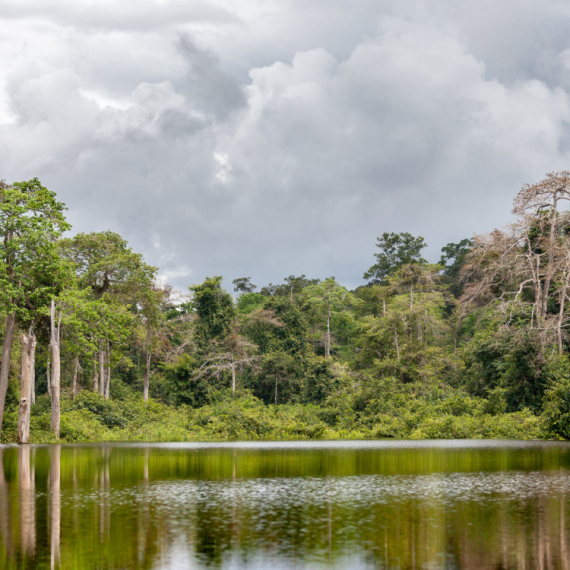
x: 48, y: 373
x: 5, y: 366
x: 55, y: 380
x: 75, y: 372
x: 396, y: 343
x: 383, y: 307
x: 146, y: 377
x: 95, y: 378
x: 33, y: 374
x: 108, y: 374
x: 548, y: 273
x: 328, y: 340
x: 233, y: 377
x: 101, y: 371
x: 28, y: 349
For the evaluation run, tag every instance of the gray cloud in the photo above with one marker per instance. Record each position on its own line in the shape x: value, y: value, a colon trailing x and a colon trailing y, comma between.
x: 273, y: 139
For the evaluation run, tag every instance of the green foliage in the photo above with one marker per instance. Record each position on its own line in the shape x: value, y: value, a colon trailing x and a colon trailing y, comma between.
x: 556, y: 412
x: 404, y: 356
x: 396, y: 249
x: 215, y: 309
x: 105, y: 264
x: 248, y: 302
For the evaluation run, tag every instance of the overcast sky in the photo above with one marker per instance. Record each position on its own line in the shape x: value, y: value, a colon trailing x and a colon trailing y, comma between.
x: 265, y: 138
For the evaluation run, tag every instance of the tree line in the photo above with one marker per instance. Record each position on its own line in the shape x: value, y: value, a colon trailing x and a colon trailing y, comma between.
x: 487, y: 323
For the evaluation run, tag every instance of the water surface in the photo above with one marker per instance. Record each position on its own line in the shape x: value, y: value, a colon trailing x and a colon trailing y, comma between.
x: 358, y: 505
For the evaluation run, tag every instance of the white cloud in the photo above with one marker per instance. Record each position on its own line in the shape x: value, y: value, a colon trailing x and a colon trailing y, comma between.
x: 284, y: 137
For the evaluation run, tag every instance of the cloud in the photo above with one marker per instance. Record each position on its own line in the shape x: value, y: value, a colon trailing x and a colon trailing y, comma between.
x: 399, y: 118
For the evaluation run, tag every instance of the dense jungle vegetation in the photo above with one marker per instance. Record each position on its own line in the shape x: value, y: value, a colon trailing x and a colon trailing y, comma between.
x: 96, y: 348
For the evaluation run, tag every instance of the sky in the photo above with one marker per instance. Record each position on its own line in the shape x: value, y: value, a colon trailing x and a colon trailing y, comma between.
x: 265, y: 138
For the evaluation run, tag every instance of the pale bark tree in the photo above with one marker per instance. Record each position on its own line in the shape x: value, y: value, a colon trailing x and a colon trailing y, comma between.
x: 76, y: 368
x: 528, y: 264
x: 234, y: 352
x: 30, y: 222
x: 56, y: 374
x: 28, y: 351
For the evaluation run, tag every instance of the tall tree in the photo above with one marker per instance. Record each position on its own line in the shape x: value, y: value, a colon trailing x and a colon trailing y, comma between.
x: 244, y: 285
x: 215, y: 309
x: 396, y: 249
x: 328, y: 303
x: 105, y: 263
x: 528, y: 265
x: 31, y: 219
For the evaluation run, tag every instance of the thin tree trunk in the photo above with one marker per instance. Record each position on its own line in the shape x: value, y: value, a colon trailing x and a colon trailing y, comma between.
x: 5, y: 366
x: 101, y: 371
x: 396, y: 343
x: 108, y: 372
x: 146, y: 377
x: 548, y: 276
x: 55, y: 381
x: 328, y: 341
x: 28, y: 348
x: 561, y: 312
x: 233, y: 377
x: 74, y: 382
x: 95, y: 378
x: 383, y: 307
x: 33, y: 373
x: 48, y: 373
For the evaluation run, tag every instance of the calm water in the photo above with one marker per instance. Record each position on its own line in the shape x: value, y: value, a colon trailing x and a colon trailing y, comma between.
x: 356, y: 505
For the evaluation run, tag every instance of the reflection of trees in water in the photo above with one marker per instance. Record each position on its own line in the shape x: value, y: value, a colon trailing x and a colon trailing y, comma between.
x: 126, y: 508
x: 27, y: 500
x: 55, y: 505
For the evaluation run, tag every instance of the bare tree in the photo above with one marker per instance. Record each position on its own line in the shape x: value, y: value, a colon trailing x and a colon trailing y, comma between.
x: 28, y: 351
x: 527, y: 265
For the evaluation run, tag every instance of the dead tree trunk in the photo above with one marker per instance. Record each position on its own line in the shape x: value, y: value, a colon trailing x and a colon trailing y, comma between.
x: 101, y: 371
x: 146, y: 376
x: 28, y: 350
x: 74, y: 382
x: 5, y: 365
x: 55, y: 381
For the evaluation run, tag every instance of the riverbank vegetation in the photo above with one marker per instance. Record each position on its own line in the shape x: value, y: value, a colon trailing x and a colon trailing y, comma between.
x: 96, y: 348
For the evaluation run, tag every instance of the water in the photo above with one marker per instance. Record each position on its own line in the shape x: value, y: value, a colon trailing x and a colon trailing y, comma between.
x: 349, y: 505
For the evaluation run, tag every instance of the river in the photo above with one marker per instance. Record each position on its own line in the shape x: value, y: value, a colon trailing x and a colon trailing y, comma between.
x: 287, y: 505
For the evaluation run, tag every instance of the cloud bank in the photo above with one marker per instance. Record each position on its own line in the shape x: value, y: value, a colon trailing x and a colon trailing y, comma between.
x: 281, y: 138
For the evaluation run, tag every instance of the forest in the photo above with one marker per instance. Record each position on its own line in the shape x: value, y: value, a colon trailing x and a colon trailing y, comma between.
x: 95, y: 347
